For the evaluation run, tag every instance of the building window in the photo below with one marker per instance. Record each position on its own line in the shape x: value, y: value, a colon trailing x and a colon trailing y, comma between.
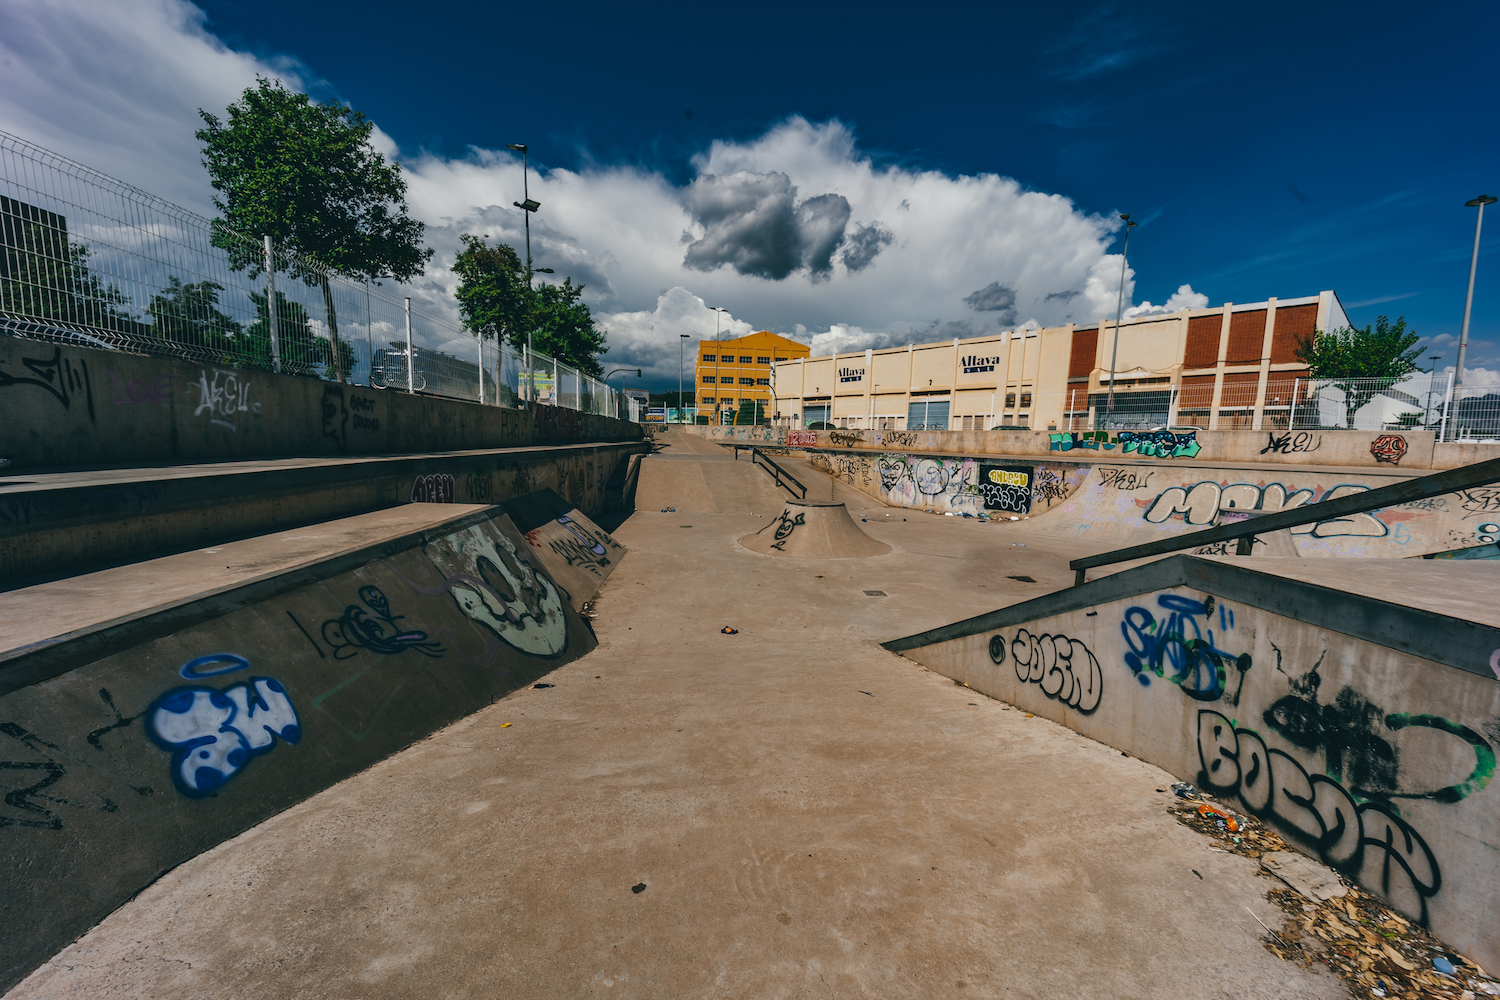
x: 929, y: 415
x: 710, y: 357
x: 747, y: 381
x: 781, y: 359
x: 708, y: 401
x: 744, y: 359
x: 1025, y: 399
x: 762, y: 381
x: 726, y: 399
x: 709, y: 380
x: 762, y: 361
x: 1010, y: 400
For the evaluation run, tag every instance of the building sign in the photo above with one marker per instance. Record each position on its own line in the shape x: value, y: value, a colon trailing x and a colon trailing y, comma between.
x: 851, y: 374
x: 1006, y: 487
x: 656, y: 414
x: 973, y: 364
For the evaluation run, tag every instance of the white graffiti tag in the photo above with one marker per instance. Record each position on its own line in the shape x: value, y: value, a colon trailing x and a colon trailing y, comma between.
x: 494, y: 584
x: 222, y: 397
x: 1065, y: 668
x: 1203, y: 502
x: 213, y: 734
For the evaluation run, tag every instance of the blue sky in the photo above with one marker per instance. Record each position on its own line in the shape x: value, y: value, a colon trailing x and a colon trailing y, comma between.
x: 908, y: 159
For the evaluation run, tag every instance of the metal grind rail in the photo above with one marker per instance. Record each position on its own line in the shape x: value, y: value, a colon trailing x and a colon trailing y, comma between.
x: 760, y: 458
x: 1261, y: 522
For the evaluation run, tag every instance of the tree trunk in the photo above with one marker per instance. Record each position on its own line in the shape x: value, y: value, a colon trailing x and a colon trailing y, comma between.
x: 333, y: 327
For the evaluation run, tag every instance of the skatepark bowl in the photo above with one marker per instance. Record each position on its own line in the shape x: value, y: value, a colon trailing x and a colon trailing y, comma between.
x: 730, y: 742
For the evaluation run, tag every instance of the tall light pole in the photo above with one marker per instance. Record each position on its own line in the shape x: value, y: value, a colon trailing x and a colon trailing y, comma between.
x: 527, y: 206
x: 1109, y: 406
x: 1463, y: 336
x: 1427, y: 405
x: 719, y: 312
x: 680, y: 407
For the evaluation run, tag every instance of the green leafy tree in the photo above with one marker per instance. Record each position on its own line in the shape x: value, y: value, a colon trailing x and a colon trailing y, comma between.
x: 305, y: 174
x: 189, y: 314
x: 1361, y: 362
x: 495, y: 302
x: 301, y: 350
x: 45, y: 276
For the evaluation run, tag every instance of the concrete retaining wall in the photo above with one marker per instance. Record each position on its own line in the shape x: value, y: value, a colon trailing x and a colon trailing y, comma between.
x: 1373, y: 449
x: 1128, y: 504
x: 63, y: 406
x: 1378, y: 761
x: 182, y: 729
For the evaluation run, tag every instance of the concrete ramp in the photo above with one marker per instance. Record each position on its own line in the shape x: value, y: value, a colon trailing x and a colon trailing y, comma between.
x: 814, y: 529
x: 1363, y: 726
x: 129, y: 747
x: 575, y: 552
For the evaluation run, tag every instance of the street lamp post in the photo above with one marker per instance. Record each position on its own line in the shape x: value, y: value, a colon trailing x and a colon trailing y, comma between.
x: 719, y: 312
x: 1463, y: 336
x: 527, y: 206
x: 680, y: 407
x: 1114, y: 354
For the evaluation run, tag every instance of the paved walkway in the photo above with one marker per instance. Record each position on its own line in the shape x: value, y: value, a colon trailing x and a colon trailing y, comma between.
x: 790, y: 811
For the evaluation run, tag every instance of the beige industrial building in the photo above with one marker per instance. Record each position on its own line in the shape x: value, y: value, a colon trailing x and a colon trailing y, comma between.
x: 1232, y: 366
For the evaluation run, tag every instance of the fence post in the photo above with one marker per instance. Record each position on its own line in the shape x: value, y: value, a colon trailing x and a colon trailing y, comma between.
x: 481, y: 369
x: 273, y: 319
x: 1448, y: 401
x: 409, y: 381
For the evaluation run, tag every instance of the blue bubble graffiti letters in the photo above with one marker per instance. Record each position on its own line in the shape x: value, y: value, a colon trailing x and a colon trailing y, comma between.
x: 213, y: 734
x: 1152, y: 444
x: 1180, y: 642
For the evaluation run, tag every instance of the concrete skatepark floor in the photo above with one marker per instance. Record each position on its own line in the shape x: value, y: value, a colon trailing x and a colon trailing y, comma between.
x: 809, y: 814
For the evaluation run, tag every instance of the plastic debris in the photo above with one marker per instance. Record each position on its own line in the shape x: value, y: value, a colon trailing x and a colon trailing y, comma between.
x: 638, y: 888
x: 729, y: 631
x: 1443, y: 965
x: 1018, y: 545
x: 867, y: 692
x: 1225, y: 816
x: 1184, y: 790
x: 543, y: 685
x: 505, y: 725
x: 669, y: 510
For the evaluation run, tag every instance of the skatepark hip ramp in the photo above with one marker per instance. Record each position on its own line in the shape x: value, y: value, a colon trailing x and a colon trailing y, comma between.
x: 814, y: 529
x: 1363, y: 726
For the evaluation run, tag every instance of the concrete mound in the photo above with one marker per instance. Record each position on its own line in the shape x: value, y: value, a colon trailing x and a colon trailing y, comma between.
x: 814, y: 529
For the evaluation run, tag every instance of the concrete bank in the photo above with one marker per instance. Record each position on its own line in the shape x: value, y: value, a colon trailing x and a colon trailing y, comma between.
x: 52, y: 523
x: 807, y: 815
x: 137, y: 743
x: 1363, y: 725
x: 67, y: 406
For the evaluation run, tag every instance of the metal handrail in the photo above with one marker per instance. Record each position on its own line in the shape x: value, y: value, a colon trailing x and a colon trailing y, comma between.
x: 772, y: 469
x: 1479, y: 474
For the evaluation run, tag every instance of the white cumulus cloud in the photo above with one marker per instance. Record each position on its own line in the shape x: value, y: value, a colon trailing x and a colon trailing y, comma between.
x: 795, y: 229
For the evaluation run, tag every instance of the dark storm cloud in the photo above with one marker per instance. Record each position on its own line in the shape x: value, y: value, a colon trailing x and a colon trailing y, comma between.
x: 820, y: 223
x: 863, y: 245
x: 752, y: 223
x: 1067, y: 296
x: 995, y: 298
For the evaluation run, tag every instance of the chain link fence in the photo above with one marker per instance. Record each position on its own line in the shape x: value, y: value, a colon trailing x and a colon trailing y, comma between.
x: 89, y: 260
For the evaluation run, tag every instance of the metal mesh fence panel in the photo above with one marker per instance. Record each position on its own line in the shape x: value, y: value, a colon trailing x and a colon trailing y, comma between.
x: 89, y: 260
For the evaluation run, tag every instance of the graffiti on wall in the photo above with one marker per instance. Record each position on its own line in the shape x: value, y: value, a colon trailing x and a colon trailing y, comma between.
x: 213, y: 734
x: 373, y: 626
x: 1064, y: 668
x: 1291, y: 443
x: 845, y: 439
x: 1202, y: 503
x: 1388, y: 448
x: 64, y: 379
x: 223, y: 397
x: 1153, y: 444
x: 137, y: 391
x: 580, y: 549
x: 493, y: 583
x: 801, y: 439
x: 439, y: 487
x: 784, y: 528
x: 1180, y: 648
x: 1006, y: 487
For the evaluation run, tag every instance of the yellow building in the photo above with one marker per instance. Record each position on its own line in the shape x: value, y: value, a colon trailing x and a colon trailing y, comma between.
x: 735, y: 375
